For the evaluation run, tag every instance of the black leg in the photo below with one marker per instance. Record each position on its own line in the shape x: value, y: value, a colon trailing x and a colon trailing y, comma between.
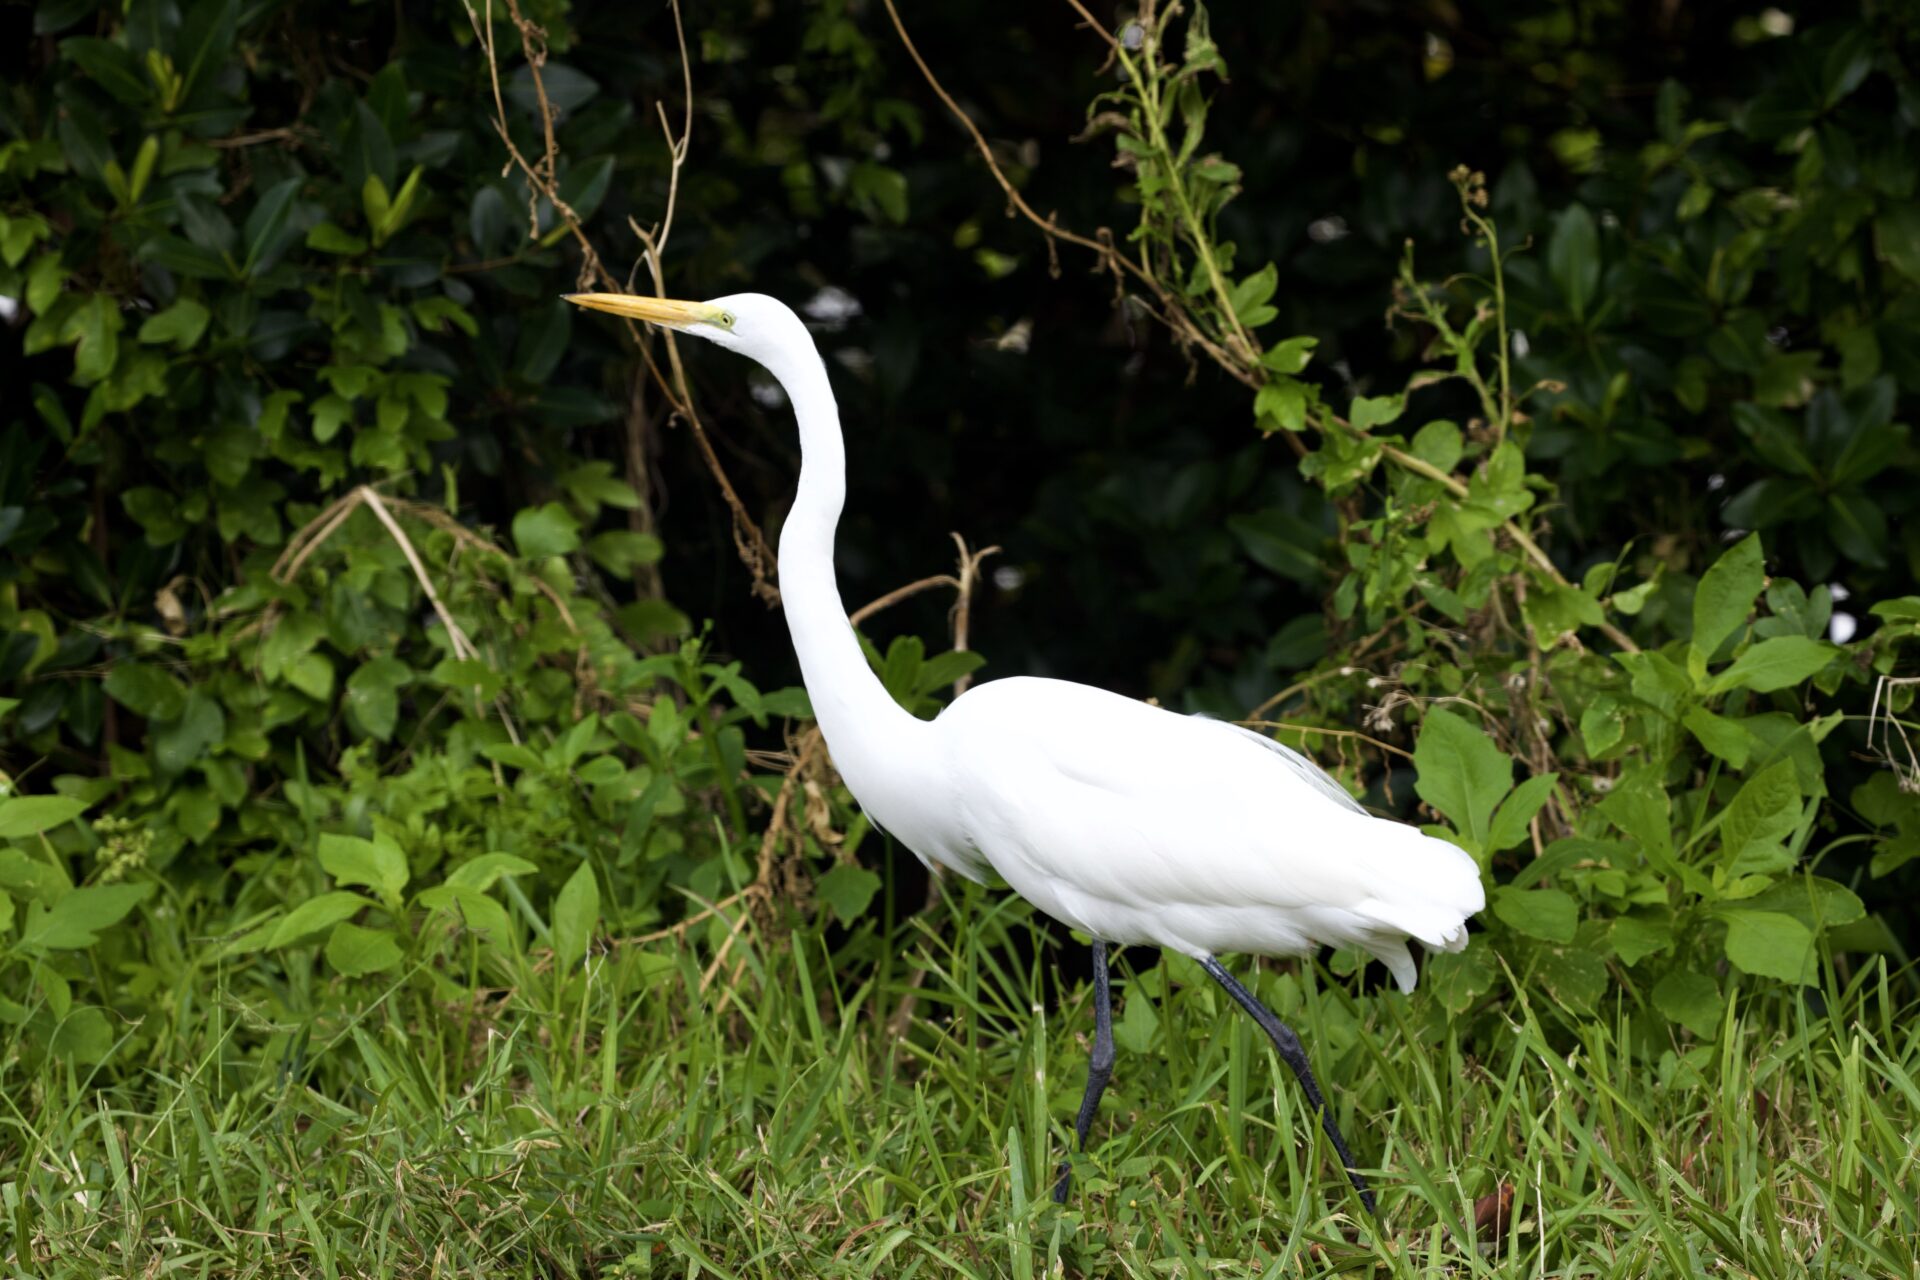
x: 1099, y: 1066
x: 1291, y: 1052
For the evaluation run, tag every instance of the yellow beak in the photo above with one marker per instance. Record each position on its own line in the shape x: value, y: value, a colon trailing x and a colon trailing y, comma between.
x: 662, y: 311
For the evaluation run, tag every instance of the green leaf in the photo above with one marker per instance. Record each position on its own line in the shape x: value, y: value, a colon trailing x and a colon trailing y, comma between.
x: 880, y: 191
x: 1440, y: 444
x: 375, y: 204
x: 548, y: 530
x: 1638, y: 805
x: 1602, y: 725
x: 1249, y: 297
x: 94, y: 329
x: 514, y: 755
x: 1548, y: 914
x: 205, y: 39
x: 1725, y: 595
x: 84, y: 1035
x: 181, y: 324
x: 576, y: 909
x: 942, y: 669
x: 377, y: 864
x: 1281, y: 405
x: 1375, y: 411
x: 401, y: 209
x: 197, y: 811
x: 1459, y: 978
x: 1635, y: 938
x: 1779, y: 663
x: 367, y: 155
x: 1574, y: 976
x: 1289, y: 357
x: 1814, y: 901
x: 44, y: 281
x: 490, y: 221
x: 201, y: 725
x: 146, y: 690
x: 1573, y: 258
x: 78, y: 918
x: 328, y: 238
x: 900, y: 672
x: 1281, y: 541
x: 354, y: 951
x: 265, y: 225
x: 1762, y: 814
x: 156, y: 511
x: 470, y: 676
x: 847, y: 890
x: 482, y: 872
x: 312, y: 674
x: 470, y: 906
x: 30, y: 815
x: 1510, y: 821
x: 315, y: 914
x: 1461, y: 773
x: 112, y: 65
x: 621, y: 551
x: 1858, y: 526
x: 1769, y: 944
x: 1690, y: 999
x: 373, y: 695
x: 329, y: 413
x: 1139, y: 1022
x: 29, y: 877
x: 1723, y: 737
x: 1896, y: 236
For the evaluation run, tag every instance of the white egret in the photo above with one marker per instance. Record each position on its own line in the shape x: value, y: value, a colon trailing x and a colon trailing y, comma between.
x: 1128, y: 822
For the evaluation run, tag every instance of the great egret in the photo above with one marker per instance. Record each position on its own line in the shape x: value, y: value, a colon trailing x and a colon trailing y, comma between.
x: 1125, y: 821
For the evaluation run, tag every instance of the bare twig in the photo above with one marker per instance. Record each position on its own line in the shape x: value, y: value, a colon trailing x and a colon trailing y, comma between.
x: 462, y: 647
x: 962, y: 616
x: 898, y: 594
x: 1355, y: 734
x: 542, y: 182
x: 1170, y: 313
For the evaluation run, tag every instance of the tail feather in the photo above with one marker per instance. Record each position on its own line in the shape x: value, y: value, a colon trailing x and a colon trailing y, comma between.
x: 1428, y: 892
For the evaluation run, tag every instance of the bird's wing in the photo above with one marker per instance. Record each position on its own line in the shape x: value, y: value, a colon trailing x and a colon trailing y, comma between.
x: 1304, y: 769
x: 1142, y: 825
x: 1114, y: 793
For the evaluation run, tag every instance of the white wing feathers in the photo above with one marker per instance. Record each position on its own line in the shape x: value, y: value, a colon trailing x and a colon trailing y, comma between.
x: 1304, y: 769
x: 1139, y: 825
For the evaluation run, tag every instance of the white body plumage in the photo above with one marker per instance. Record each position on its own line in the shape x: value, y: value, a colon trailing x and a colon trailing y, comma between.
x: 1135, y: 824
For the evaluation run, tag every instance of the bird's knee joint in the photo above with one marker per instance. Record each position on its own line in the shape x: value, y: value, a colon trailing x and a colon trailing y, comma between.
x: 1101, y: 1063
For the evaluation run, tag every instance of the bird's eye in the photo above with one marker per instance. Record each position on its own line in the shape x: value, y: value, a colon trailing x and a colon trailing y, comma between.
x: 726, y: 319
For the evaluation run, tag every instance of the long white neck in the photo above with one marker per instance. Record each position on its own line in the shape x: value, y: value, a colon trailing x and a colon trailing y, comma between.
x: 870, y: 736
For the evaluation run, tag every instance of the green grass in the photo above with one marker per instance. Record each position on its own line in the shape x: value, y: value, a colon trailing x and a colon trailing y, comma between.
x: 647, y: 1119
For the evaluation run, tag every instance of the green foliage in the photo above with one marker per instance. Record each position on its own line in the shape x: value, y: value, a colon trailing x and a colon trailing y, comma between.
x: 385, y: 805
x: 608, y: 1132
x: 1671, y: 821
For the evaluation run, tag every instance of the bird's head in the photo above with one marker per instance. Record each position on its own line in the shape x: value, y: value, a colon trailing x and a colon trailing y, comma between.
x: 758, y: 327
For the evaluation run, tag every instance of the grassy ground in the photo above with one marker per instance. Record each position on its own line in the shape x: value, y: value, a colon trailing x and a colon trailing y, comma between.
x: 668, y: 1115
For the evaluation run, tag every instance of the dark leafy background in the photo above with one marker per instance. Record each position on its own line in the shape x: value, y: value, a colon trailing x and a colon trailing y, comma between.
x: 268, y: 252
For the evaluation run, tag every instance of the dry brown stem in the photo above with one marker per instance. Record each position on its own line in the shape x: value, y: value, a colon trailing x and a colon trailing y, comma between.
x: 542, y: 182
